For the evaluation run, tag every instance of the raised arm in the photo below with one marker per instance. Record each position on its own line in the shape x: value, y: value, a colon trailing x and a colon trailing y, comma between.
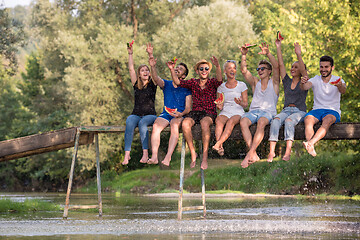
x: 131, y: 66
x: 215, y: 62
x: 243, y: 67
x: 301, y: 62
x: 171, y: 66
x: 152, y: 63
x: 280, y: 59
x: 275, y: 65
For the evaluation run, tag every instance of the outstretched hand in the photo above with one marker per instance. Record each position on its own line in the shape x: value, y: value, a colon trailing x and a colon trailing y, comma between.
x: 171, y: 65
x: 215, y: 61
x: 304, y: 79
x: 149, y: 48
x: 264, y: 49
x: 244, y: 50
x: 297, y: 48
x: 130, y: 49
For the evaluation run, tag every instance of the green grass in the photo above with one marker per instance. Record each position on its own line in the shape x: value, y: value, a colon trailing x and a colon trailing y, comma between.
x: 29, y: 205
x: 328, y: 174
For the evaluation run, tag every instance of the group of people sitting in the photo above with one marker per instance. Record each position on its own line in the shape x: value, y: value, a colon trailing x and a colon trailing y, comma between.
x: 194, y: 101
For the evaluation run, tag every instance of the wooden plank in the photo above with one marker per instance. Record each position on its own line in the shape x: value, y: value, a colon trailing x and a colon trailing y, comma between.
x: 40, y: 143
x: 338, y: 131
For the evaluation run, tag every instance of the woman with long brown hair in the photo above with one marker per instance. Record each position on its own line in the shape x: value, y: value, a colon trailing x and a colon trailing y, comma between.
x: 144, y: 113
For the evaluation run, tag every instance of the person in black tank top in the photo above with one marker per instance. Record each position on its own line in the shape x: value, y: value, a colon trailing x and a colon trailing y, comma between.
x: 143, y: 114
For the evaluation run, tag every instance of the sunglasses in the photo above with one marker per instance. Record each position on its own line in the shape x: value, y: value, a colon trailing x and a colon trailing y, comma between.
x: 204, y: 68
x: 262, y: 69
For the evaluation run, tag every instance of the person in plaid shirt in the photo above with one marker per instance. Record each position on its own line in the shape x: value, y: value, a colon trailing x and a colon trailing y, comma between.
x: 203, y: 91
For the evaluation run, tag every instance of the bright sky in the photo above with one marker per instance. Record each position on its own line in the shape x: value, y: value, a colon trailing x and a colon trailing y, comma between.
x: 13, y: 3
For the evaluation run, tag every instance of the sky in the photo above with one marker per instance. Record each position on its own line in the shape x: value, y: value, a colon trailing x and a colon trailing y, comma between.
x: 13, y: 3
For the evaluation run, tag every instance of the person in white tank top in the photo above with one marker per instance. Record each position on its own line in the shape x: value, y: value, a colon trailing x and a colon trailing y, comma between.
x: 327, y: 90
x: 263, y: 106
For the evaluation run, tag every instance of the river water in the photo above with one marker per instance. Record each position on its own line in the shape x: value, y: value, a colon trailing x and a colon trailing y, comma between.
x: 155, y: 217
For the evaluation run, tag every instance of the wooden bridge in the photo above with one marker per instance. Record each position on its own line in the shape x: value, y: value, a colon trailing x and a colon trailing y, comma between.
x: 76, y: 136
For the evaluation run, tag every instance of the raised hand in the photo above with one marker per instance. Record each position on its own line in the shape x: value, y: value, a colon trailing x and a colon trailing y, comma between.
x: 130, y: 49
x: 149, y: 49
x: 264, y: 49
x: 215, y: 61
x: 171, y: 65
x: 244, y: 50
x: 278, y: 43
x: 152, y: 61
x: 297, y: 48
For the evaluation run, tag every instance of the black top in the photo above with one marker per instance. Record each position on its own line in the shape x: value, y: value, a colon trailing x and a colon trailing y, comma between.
x: 145, y: 100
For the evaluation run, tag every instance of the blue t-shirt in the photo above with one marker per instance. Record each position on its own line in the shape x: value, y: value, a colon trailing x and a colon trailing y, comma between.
x: 174, y: 97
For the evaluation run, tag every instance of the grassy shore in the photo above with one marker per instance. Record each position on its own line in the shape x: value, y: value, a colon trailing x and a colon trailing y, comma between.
x: 327, y: 174
x: 29, y: 205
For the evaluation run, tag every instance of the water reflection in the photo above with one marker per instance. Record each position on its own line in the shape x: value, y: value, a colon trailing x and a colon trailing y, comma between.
x: 144, y: 217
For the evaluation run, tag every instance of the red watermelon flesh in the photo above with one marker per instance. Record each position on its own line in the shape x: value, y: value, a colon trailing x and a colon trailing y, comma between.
x: 170, y: 110
x: 278, y: 36
x: 129, y: 44
x: 220, y: 99
x: 335, y: 82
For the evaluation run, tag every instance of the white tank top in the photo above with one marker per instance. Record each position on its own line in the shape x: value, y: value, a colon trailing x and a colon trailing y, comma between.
x: 265, y: 100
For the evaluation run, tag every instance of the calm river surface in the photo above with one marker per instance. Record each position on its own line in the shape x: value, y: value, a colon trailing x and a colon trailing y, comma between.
x: 155, y: 217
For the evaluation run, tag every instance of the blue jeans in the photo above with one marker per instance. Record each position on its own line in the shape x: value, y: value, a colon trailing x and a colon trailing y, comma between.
x: 294, y: 114
x: 142, y: 123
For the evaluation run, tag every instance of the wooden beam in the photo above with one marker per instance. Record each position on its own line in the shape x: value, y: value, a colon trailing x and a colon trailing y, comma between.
x: 41, y: 143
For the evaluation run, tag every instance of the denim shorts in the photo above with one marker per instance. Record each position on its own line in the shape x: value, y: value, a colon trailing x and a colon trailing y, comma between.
x: 166, y: 116
x: 255, y: 115
x: 321, y: 113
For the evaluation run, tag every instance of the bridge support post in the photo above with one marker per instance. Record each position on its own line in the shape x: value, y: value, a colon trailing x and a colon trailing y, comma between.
x: 181, y: 188
x: 98, y: 173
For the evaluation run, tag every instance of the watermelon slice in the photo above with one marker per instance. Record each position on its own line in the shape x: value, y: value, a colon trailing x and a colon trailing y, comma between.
x: 335, y: 82
x: 174, y: 59
x: 220, y: 99
x: 170, y: 110
x: 279, y: 37
x: 248, y: 45
x: 129, y: 44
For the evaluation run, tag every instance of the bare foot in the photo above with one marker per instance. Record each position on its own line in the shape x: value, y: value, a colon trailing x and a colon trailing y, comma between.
x: 152, y: 161
x: 218, y: 149
x: 253, y: 159
x: 286, y: 157
x: 271, y: 157
x: 245, y: 162
x: 193, y: 160
x: 126, y: 158
x: 204, y: 164
x: 309, y: 148
x: 166, y: 161
x: 144, y: 159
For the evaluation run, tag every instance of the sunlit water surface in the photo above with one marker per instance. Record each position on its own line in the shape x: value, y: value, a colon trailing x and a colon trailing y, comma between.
x: 144, y: 217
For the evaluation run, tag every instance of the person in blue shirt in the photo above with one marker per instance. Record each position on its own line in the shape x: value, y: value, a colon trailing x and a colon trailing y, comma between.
x: 175, y: 98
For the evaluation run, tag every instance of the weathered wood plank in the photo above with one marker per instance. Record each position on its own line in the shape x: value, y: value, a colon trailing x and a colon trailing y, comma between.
x: 40, y: 143
x: 338, y: 131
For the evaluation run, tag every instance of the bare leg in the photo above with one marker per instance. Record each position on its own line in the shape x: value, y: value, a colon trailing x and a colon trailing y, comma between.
x: 145, y: 156
x: 272, y: 151
x: 174, y: 136
x: 252, y: 156
x: 187, y: 124
x: 159, y: 125
x: 220, y: 123
x: 126, y: 158
x: 230, y: 124
x: 205, y: 123
x: 287, y: 154
x: 309, y: 121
